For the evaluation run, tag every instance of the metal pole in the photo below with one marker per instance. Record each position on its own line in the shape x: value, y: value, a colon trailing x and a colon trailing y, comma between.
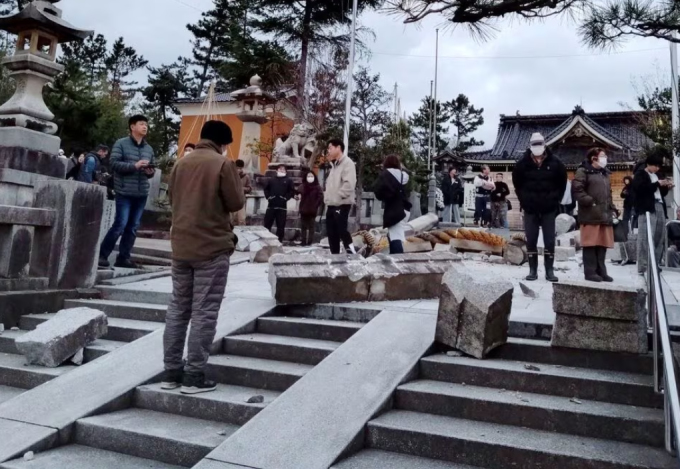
x: 429, y: 127
x: 436, y: 64
x: 350, y: 77
x: 674, y: 123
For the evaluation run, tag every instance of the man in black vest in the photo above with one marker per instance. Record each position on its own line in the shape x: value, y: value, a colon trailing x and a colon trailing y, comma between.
x: 483, y: 188
x: 540, y: 179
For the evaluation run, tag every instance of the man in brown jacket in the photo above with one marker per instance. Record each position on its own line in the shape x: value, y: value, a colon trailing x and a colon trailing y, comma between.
x: 205, y: 188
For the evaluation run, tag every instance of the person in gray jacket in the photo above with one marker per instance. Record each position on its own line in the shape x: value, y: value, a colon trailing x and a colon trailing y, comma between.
x: 132, y: 161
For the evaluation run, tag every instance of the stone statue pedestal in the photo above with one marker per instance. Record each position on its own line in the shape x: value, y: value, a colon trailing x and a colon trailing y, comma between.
x: 28, y: 150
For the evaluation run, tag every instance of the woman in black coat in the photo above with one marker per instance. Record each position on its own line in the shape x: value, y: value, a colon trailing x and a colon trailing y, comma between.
x: 391, y: 190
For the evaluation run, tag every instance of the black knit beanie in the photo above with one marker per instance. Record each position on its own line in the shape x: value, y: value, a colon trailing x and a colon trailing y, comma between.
x: 217, y: 132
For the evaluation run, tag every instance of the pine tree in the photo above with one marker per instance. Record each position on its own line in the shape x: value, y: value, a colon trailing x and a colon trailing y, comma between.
x: 90, y: 55
x: 305, y: 24
x: 466, y: 119
x: 420, y: 125
x: 120, y: 63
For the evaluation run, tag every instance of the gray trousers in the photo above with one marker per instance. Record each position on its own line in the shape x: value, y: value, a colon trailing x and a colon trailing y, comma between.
x: 499, y: 214
x: 197, y: 293
x: 658, y: 221
x: 452, y: 214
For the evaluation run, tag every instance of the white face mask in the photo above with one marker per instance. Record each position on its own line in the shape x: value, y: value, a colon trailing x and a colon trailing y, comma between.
x: 280, y: 174
x: 310, y: 179
x: 538, y: 150
x: 602, y: 161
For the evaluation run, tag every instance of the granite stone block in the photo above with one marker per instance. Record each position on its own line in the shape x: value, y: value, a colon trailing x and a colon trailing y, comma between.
x: 602, y: 300
x: 474, y: 312
x: 54, y: 341
x: 599, y: 334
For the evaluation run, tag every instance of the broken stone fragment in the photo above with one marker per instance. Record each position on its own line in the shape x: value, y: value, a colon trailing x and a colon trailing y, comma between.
x: 258, y: 399
x: 527, y: 291
x: 474, y: 312
x: 264, y: 252
x: 56, y: 340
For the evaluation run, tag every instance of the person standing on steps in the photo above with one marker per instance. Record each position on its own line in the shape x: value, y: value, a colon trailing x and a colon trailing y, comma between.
x: 593, y: 192
x: 390, y: 189
x: 90, y: 167
x: 278, y: 191
x: 340, y: 196
x: 239, y: 218
x: 483, y: 188
x: 627, y: 197
x: 132, y: 163
x: 311, y: 198
x: 649, y: 193
x: 454, y: 193
x: 499, y: 203
x: 540, y: 179
x: 204, y: 190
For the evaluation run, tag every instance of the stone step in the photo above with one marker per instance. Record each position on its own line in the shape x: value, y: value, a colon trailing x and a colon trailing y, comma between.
x: 597, y: 385
x: 165, y: 272
x: 504, y: 446
x: 256, y: 373
x: 9, y: 392
x: 167, y: 438
x: 7, y: 339
x: 121, y: 330
x: 641, y: 425
x: 15, y: 373
x: 101, y: 347
x: 308, y: 328
x: 123, y: 309
x: 150, y: 260
x: 152, y: 252
x: 135, y: 296
x: 84, y: 457
x: 376, y: 459
x: 228, y: 404
x: 279, y: 347
x: 539, y: 351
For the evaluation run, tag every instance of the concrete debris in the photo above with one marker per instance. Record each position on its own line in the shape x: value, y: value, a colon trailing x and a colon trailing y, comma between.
x: 527, y: 291
x: 258, y: 399
x: 454, y: 353
x: 56, y: 340
x: 423, y: 223
x: 563, y: 254
x: 325, y: 278
x: 2, y: 328
x: 254, y: 238
x: 572, y: 239
x: 575, y: 401
x: 474, y: 313
x: 264, y: 253
x: 515, y: 253
x: 564, y: 224
x: 14, y: 328
x: 29, y: 456
x: 222, y: 433
x: 531, y: 367
x: 78, y: 358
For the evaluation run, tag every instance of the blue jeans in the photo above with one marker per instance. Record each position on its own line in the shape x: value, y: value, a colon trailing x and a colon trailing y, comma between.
x: 129, y: 212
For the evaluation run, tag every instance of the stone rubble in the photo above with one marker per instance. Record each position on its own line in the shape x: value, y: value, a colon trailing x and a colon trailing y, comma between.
x: 597, y: 316
x: 564, y: 224
x: 56, y: 340
x: 325, y: 278
x: 527, y: 291
x: 474, y: 313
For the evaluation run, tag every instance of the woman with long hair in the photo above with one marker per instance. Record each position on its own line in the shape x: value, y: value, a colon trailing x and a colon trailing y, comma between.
x: 391, y: 189
x: 593, y: 192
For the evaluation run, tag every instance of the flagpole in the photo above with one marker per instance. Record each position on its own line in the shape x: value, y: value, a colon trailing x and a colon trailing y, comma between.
x: 674, y: 123
x: 429, y: 126
x: 350, y: 77
x: 436, y: 64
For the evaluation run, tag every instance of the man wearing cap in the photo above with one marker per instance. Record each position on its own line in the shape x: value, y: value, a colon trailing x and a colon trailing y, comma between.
x: 649, y: 192
x: 540, y: 179
x: 204, y: 189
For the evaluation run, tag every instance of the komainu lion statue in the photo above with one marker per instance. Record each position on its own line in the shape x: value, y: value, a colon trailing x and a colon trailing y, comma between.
x: 300, y: 140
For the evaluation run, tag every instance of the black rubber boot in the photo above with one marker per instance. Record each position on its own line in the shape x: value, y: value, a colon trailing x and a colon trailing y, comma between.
x: 590, y: 267
x: 396, y: 247
x: 549, y: 259
x: 601, y: 253
x: 533, y: 266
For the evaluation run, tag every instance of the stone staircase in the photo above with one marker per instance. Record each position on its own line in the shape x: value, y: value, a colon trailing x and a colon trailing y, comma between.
x: 166, y: 429
x: 529, y: 406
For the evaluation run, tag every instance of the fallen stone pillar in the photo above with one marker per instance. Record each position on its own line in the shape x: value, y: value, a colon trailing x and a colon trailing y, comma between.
x: 325, y: 278
x: 474, y: 313
x: 599, y: 317
x: 420, y: 224
x: 54, y: 341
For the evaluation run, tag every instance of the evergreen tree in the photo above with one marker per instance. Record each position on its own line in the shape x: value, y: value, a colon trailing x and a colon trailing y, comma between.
x: 420, y: 125
x: 120, y: 63
x: 305, y: 24
x: 7, y: 7
x: 90, y: 55
x: 466, y: 119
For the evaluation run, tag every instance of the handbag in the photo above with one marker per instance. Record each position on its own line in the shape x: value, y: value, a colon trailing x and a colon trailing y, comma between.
x: 509, y: 204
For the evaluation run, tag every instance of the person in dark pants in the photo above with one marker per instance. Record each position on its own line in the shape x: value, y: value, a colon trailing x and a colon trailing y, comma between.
x: 483, y: 188
x: 627, y: 197
x: 278, y: 191
x: 499, y: 203
x: 132, y: 164
x: 340, y: 196
x: 454, y: 192
x: 204, y: 189
x: 540, y: 179
x: 90, y: 167
x: 311, y: 198
x: 390, y: 188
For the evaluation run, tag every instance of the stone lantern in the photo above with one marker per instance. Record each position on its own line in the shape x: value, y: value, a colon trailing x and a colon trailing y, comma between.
x: 256, y: 108
x: 25, y: 120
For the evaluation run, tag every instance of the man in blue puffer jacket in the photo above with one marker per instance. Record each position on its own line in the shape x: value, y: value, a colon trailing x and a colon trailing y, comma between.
x: 132, y: 163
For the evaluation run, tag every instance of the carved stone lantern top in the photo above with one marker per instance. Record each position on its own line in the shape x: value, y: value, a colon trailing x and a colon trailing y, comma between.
x: 44, y: 16
x: 254, y: 101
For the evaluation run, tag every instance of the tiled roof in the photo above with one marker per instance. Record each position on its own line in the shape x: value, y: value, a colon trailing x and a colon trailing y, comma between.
x: 514, y: 133
x: 219, y: 98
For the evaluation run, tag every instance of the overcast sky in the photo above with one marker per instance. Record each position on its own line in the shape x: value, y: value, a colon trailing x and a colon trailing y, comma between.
x: 537, y: 68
